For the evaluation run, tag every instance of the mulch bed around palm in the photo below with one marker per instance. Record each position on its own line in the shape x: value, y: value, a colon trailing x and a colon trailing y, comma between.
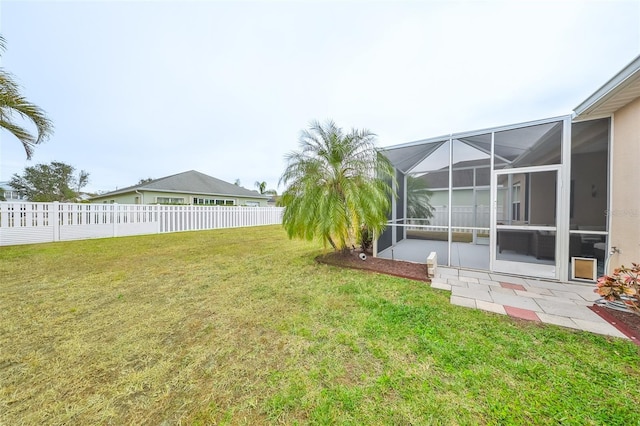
x: 398, y: 268
x: 628, y: 323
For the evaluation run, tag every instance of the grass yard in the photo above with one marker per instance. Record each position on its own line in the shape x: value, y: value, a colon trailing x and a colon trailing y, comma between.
x: 241, y: 326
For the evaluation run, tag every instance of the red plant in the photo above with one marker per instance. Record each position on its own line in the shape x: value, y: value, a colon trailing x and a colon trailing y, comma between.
x: 623, y: 285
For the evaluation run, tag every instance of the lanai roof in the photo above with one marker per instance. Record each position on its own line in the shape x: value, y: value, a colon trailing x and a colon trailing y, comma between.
x: 619, y: 91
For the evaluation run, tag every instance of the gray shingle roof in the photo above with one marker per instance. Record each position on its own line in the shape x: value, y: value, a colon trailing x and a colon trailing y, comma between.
x: 191, y: 182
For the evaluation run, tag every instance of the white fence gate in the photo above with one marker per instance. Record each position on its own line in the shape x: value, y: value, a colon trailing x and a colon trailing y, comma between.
x: 28, y: 223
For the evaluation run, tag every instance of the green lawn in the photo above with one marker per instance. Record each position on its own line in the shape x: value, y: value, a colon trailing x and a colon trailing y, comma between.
x: 241, y: 326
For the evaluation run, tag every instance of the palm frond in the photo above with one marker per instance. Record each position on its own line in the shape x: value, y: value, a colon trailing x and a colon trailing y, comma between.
x: 21, y: 134
x: 12, y: 103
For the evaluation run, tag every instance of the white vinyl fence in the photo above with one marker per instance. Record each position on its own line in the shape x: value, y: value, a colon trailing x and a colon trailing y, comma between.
x: 28, y: 223
x: 463, y: 218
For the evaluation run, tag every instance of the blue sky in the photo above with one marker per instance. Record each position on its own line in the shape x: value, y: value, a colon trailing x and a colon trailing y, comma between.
x: 153, y: 88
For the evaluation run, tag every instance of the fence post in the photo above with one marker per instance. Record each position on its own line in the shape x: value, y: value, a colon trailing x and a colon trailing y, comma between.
x: 156, y: 216
x: 4, y: 215
x: 115, y: 216
x: 57, y: 217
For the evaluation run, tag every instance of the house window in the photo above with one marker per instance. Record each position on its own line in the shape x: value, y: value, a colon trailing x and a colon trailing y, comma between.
x: 10, y: 195
x: 252, y: 203
x: 169, y: 200
x: 515, y: 202
x: 214, y: 201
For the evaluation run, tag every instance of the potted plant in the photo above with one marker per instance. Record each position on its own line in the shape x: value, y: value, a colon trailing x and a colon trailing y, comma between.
x: 622, y: 288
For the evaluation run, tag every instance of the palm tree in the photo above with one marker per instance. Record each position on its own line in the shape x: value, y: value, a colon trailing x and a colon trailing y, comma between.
x: 262, y: 187
x: 418, y: 198
x: 338, y: 186
x: 13, y: 103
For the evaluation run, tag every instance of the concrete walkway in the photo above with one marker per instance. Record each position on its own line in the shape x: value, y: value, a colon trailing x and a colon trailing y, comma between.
x: 549, y: 302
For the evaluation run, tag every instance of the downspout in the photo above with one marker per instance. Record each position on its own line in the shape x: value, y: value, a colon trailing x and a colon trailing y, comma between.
x: 141, y: 196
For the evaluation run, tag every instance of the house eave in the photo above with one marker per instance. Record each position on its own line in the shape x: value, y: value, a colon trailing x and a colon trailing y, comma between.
x: 621, y: 89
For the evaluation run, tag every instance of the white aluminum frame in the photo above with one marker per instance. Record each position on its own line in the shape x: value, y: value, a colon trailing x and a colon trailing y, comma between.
x: 561, y: 268
x: 524, y: 268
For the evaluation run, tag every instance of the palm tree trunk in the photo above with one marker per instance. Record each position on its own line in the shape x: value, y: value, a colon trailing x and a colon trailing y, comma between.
x: 332, y: 243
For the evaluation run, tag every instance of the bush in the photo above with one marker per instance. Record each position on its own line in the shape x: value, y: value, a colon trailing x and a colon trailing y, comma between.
x: 623, y: 285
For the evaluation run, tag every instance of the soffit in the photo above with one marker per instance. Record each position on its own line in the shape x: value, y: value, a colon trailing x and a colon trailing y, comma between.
x: 618, y: 92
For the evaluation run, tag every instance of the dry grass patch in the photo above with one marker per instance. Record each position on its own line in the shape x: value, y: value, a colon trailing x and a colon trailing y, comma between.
x: 242, y: 326
x: 145, y: 329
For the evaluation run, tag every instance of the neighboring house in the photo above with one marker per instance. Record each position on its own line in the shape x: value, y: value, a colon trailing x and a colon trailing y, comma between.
x: 84, y: 197
x: 559, y: 190
x: 9, y: 193
x: 190, y: 187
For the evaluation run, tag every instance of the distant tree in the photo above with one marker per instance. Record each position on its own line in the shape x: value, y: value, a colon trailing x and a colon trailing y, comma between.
x: 262, y: 187
x: 13, y: 104
x: 143, y: 181
x: 2, y: 195
x: 237, y: 182
x: 418, y: 198
x: 50, y: 182
x: 337, y: 186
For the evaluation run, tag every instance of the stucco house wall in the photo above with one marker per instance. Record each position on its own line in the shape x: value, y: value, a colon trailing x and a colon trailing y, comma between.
x: 119, y: 198
x: 625, y: 213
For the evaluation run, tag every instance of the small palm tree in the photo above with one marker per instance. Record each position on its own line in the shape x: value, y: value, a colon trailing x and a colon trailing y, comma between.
x: 418, y: 198
x: 262, y: 187
x: 12, y: 103
x: 338, y: 186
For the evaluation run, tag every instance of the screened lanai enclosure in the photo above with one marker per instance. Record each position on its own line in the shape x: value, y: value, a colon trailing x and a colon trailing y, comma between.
x: 528, y: 199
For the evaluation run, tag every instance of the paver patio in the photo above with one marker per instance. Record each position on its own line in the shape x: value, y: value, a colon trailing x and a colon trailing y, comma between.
x: 563, y: 304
